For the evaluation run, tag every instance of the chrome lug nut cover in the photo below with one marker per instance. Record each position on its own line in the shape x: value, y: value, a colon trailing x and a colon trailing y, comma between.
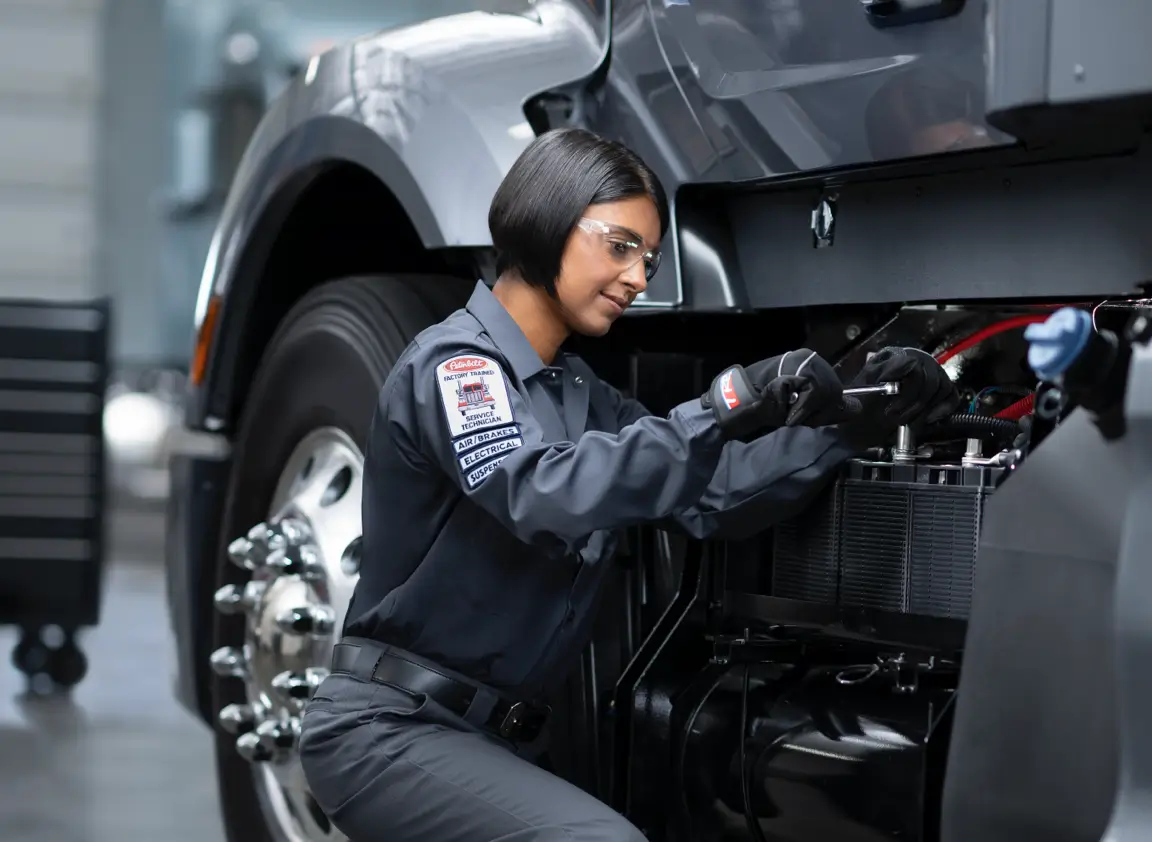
x: 229, y: 662
x: 229, y: 600
x: 297, y: 688
x: 252, y: 748
x: 307, y: 619
x: 241, y: 552
x: 237, y: 719
x: 279, y: 738
x: 303, y: 561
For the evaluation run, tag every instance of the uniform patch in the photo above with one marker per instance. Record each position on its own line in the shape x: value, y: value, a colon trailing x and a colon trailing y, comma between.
x: 480, y: 454
x: 478, y: 475
x: 485, y: 437
x: 474, y: 394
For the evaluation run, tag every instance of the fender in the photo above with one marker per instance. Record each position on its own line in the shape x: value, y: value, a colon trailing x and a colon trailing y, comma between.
x: 426, y: 108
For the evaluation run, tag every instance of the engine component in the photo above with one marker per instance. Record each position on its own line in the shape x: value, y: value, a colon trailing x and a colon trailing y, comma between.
x: 890, y: 536
x: 967, y: 425
x: 836, y: 745
x: 1089, y: 367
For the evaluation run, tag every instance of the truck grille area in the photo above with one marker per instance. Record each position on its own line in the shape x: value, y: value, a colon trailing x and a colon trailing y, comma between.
x: 889, y: 537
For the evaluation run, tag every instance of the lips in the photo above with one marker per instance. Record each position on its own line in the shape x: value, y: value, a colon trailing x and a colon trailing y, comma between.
x: 619, y: 301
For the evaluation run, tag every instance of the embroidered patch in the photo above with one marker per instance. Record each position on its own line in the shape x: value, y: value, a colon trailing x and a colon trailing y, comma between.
x: 474, y: 457
x: 474, y: 394
x: 478, y: 475
x: 484, y: 437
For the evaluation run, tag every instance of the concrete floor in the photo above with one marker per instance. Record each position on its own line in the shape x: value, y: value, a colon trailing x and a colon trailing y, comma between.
x: 118, y: 759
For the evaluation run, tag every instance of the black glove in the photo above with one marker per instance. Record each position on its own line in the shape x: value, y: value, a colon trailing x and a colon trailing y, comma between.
x: 798, y: 387
x: 926, y: 393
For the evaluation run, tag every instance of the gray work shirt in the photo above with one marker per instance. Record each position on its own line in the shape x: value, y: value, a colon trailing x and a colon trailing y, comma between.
x: 496, y: 488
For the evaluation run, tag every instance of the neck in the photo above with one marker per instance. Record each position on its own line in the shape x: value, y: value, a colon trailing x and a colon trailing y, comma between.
x: 535, y: 313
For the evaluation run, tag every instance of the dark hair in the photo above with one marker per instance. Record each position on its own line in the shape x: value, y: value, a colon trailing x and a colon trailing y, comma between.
x: 547, y: 190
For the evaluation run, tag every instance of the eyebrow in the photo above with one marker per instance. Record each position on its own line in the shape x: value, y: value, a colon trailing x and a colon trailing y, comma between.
x: 634, y: 235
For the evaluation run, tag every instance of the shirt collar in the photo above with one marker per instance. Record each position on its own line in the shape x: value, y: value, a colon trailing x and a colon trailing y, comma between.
x: 507, y: 335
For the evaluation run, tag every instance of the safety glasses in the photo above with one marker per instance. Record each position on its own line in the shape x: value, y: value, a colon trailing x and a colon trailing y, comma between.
x: 622, y: 246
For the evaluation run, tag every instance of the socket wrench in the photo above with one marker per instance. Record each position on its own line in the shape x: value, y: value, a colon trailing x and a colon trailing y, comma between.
x: 891, y: 388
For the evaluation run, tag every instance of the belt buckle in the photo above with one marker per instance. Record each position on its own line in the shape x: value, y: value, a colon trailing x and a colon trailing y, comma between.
x: 523, y: 721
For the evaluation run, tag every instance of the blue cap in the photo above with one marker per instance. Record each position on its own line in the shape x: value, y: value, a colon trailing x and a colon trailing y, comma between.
x: 1055, y: 343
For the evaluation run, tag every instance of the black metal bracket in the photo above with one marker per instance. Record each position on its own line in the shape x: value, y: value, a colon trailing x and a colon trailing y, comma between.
x: 886, y: 13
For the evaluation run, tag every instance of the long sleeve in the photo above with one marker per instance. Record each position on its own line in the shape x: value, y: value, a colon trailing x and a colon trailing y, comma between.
x: 453, y: 407
x: 759, y: 483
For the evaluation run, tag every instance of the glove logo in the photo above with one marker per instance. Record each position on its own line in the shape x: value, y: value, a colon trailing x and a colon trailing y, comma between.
x: 727, y: 391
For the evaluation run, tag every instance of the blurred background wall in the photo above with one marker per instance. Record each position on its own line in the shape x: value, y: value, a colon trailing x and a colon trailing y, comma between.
x: 121, y: 125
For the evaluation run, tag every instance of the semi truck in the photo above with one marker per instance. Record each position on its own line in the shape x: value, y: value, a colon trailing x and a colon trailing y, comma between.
x: 943, y: 643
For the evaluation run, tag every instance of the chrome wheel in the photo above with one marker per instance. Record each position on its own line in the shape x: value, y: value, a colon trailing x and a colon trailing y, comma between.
x: 304, y: 562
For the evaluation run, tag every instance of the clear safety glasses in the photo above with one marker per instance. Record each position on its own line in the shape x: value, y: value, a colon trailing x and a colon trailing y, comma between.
x: 622, y: 246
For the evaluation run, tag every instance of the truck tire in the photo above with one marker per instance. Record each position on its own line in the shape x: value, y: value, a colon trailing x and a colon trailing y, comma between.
x: 290, y: 534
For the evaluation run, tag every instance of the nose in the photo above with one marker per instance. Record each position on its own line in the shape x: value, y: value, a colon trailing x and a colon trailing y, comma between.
x: 635, y: 279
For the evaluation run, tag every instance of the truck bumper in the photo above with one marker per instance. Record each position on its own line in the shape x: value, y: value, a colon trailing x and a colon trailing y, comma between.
x: 198, y: 484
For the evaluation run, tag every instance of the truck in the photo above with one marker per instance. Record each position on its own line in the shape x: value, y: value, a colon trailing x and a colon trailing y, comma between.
x: 947, y: 641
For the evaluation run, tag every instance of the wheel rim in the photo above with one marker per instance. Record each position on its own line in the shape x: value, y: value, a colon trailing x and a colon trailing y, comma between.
x: 304, y: 563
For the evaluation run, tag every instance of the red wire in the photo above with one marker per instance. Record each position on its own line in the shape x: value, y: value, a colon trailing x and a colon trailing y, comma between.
x: 1019, y: 409
x: 988, y: 332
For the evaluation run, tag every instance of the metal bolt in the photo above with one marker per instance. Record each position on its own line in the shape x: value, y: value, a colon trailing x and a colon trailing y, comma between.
x: 237, y: 719
x: 228, y: 662
x: 229, y: 600
x: 279, y: 738
x: 295, y: 687
x: 252, y: 749
x: 298, y: 561
x: 307, y: 619
x: 243, y: 553
x: 294, y: 531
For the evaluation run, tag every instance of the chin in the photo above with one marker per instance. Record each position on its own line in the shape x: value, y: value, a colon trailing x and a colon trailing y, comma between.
x: 595, y: 326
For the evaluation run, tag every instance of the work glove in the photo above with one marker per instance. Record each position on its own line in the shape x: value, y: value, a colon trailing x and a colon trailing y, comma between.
x: 795, y: 388
x: 926, y: 393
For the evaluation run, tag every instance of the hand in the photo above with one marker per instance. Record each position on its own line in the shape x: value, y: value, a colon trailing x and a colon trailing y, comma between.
x: 926, y: 393
x: 795, y: 388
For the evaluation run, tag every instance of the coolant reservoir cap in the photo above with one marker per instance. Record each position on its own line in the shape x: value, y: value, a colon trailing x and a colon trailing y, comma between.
x: 1055, y: 343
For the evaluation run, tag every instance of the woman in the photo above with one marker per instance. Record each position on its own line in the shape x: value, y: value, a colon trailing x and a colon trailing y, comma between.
x: 498, y: 474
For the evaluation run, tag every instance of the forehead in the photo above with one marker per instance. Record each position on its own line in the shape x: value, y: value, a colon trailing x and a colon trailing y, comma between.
x: 637, y: 214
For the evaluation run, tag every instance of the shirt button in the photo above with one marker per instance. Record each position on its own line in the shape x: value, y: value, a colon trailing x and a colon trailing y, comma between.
x: 579, y: 380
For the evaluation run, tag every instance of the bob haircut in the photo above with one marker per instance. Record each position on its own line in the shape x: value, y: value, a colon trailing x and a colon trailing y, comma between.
x: 547, y: 191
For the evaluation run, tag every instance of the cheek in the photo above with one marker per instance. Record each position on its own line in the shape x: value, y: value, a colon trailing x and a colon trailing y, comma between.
x: 581, y: 282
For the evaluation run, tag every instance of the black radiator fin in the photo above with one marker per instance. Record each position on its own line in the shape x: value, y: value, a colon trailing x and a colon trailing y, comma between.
x: 891, y: 538
x: 946, y: 527
x: 804, y: 564
x: 874, y: 570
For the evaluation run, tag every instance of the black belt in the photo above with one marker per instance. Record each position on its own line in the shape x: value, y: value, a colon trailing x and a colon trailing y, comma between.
x: 518, y: 722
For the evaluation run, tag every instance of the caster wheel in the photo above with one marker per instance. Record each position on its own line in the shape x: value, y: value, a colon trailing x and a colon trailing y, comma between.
x: 49, y: 665
x: 67, y: 665
x: 30, y: 655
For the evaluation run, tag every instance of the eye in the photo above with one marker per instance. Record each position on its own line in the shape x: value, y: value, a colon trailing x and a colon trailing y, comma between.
x: 621, y: 248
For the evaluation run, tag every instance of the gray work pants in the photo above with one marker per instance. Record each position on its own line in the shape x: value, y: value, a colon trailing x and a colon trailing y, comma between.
x: 387, y: 766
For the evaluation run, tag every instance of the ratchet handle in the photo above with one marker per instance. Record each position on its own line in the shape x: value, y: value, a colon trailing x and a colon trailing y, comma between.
x: 850, y: 406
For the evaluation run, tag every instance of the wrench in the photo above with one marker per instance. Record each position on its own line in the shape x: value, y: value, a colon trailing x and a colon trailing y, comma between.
x: 891, y: 388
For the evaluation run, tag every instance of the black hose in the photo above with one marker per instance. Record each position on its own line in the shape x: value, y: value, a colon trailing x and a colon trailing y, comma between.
x: 962, y: 424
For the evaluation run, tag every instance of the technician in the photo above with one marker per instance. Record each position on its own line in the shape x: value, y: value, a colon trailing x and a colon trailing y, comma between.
x: 499, y: 474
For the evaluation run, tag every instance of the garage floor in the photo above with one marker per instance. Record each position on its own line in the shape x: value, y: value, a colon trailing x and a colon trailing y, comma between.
x: 119, y: 761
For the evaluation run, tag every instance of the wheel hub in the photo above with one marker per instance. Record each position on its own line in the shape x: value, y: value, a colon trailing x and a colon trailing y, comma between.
x: 304, y: 563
